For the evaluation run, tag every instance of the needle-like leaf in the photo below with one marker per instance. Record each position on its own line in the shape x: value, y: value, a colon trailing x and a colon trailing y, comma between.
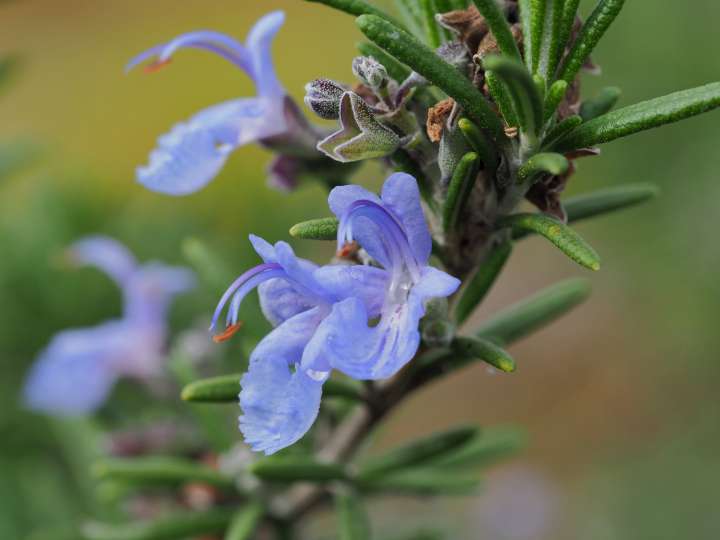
x: 157, y: 470
x: 607, y: 200
x: 181, y: 525
x: 642, y: 116
x: 548, y: 162
x: 245, y: 522
x: 420, y: 58
x: 459, y: 188
x: 600, y: 104
x: 316, y: 229
x: 501, y: 97
x: 353, y: 522
x: 526, y: 316
x: 297, y: 469
x: 496, y: 21
x: 357, y: 8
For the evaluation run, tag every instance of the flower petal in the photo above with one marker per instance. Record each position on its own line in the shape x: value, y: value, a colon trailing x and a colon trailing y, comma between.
x: 192, y: 153
x: 75, y: 373
x: 107, y: 254
x: 259, y: 42
x: 367, y: 283
x: 401, y: 195
x: 279, y: 301
x: 280, y: 403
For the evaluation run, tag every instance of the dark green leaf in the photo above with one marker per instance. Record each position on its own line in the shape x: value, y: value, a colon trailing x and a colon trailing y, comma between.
x: 316, y: 229
x: 566, y: 126
x: 641, y: 116
x: 420, y: 452
x: 420, y: 58
x: 548, y: 162
x: 222, y: 389
x: 555, y: 95
x: 297, y: 469
x: 479, y: 143
x: 568, y: 21
x: 523, y: 92
x: 487, y: 448
x: 182, y: 525
x: 600, y: 104
x: 501, y: 97
x: 607, y: 200
x: 353, y: 522
x: 592, y: 31
x: 479, y: 284
x: 525, y: 317
x: 245, y: 522
x: 357, y: 8
x: 550, y: 43
x: 396, y: 70
x: 562, y: 236
x: 496, y: 21
x: 459, y: 188
x: 537, y: 24
x: 526, y: 22
x: 432, y: 30
x: 467, y: 349
x: 158, y: 470
x: 422, y: 482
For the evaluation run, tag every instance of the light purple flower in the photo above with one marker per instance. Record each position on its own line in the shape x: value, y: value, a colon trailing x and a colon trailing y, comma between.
x: 193, y: 152
x: 323, y: 314
x: 77, y: 370
x: 393, y: 231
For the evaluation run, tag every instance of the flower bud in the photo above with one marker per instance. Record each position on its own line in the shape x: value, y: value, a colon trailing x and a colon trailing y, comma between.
x: 370, y: 72
x: 323, y: 97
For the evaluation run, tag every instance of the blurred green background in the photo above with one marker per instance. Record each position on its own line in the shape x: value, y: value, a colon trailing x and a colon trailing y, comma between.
x: 620, y: 398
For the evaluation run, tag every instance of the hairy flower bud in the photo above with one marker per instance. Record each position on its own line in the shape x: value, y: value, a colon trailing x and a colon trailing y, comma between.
x: 323, y: 97
x: 370, y: 72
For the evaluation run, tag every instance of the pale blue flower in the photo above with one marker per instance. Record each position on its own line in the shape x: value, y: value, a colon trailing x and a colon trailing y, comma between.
x: 323, y: 315
x: 76, y: 372
x: 193, y: 152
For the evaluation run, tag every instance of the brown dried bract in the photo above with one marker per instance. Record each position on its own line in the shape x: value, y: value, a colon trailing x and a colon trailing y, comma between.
x: 468, y: 24
x: 546, y: 194
x: 436, y: 118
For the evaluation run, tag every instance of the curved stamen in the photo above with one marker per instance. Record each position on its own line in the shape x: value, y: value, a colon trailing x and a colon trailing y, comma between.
x: 394, y: 237
x: 243, y: 285
x: 215, y: 42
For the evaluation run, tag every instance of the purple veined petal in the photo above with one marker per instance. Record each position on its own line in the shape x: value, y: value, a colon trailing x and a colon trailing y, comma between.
x: 391, y: 232
x: 279, y: 401
x: 435, y: 283
x: 188, y: 157
x: 400, y: 193
x: 367, y: 283
x: 341, y: 197
x: 242, y: 286
x: 259, y: 43
x: 105, y: 253
x: 215, y: 42
x: 280, y: 300
x: 75, y: 373
x: 263, y: 248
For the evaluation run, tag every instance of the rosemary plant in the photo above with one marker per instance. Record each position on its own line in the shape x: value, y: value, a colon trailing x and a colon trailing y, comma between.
x: 473, y: 106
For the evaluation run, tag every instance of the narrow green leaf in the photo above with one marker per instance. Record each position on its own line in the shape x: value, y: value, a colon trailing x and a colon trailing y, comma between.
x: 479, y: 143
x: 479, y: 284
x: 538, y: 9
x: 547, y: 162
x: 533, y: 313
x: 444, y: 6
x: 468, y: 349
x: 461, y: 184
x: 421, y: 482
x: 316, y: 229
x: 353, y: 522
x: 592, y: 31
x: 245, y: 522
x: 523, y: 92
x: 396, y: 70
x: 600, y: 104
x: 222, y: 389
x: 526, y: 22
x: 498, y: 24
x: 410, y: 12
x: 158, y: 470
x: 490, y: 446
x: 357, y: 8
x: 432, y: 30
x: 539, y: 85
x: 181, y: 525
x: 568, y: 21
x: 501, y: 97
x: 555, y: 95
x: 297, y: 469
x: 550, y: 42
x: 420, y: 58
x: 420, y: 452
x: 642, y: 116
x: 607, y: 200
x: 562, y: 128
x: 559, y: 234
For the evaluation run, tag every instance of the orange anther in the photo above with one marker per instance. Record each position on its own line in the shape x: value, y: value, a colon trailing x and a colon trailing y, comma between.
x: 348, y: 250
x: 228, y: 333
x: 156, y: 66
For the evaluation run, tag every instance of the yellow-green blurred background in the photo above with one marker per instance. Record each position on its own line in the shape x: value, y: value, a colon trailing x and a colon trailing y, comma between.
x: 620, y: 398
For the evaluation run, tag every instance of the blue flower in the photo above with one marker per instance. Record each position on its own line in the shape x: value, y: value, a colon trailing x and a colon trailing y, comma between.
x: 393, y: 231
x: 76, y: 372
x: 280, y: 401
x: 193, y: 152
x: 322, y: 315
